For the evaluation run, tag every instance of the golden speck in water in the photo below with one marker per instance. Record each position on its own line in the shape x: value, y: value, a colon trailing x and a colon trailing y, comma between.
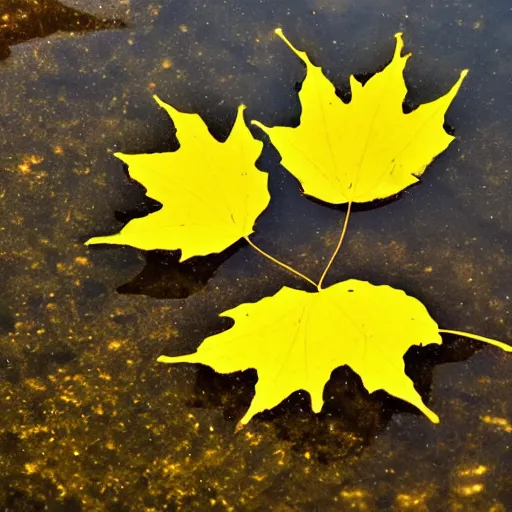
x: 478, y: 471
x: 501, y: 423
x: 470, y: 490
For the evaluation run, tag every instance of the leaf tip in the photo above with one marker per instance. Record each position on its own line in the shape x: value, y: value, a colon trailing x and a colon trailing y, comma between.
x: 247, y: 417
x: 317, y: 400
x: 455, y: 89
x: 434, y: 418
x: 95, y: 240
x: 255, y: 122
x: 431, y: 415
x: 302, y: 55
x: 187, y: 358
x: 399, y: 46
x: 168, y: 108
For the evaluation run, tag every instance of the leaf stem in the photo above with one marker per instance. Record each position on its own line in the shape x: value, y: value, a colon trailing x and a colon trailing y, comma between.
x: 496, y: 343
x: 338, y: 247
x: 280, y: 263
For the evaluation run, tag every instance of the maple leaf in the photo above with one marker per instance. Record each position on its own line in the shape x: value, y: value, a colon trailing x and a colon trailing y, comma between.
x: 212, y: 194
x: 363, y: 150
x: 295, y: 340
x: 211, y: 191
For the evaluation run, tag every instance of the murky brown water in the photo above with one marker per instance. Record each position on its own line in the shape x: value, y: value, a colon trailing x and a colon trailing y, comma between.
x: 89, y: 420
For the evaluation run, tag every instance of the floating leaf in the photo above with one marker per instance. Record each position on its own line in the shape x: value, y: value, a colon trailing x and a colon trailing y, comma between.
x: 212, y: 194
x: 295, y: 340
x: 367, y: 149
x: 211, y: 191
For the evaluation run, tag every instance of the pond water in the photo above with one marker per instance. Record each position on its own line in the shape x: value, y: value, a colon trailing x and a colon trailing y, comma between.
x: 89, y: 419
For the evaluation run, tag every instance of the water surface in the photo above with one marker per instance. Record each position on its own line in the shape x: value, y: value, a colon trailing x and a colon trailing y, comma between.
x: 90, y: 421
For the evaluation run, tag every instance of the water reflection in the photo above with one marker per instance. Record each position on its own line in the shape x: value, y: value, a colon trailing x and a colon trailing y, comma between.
x: 350, y: 418
x: 164, y: 277
x: 91, y: 421
x: 22, y: 20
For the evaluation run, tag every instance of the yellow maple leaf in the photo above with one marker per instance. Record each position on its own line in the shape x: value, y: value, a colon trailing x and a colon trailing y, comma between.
x: 363, y: 150
x: 211, y: 191
x: 295, y: 340
x: 212, y: 194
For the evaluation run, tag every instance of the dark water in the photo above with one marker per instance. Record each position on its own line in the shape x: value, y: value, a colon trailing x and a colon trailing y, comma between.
x: 89, y: 420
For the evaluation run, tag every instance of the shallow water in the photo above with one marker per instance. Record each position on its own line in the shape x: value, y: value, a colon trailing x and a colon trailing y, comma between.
x: 90, y: 421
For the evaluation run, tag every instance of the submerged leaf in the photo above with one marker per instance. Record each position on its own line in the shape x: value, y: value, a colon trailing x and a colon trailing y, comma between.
x: 295, y: 340
x: 367, y: 149
x: 211, y: 191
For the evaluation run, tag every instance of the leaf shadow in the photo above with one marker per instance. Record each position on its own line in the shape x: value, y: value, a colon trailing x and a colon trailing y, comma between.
x: 165, y: 277
x: 350, y: 419
x: 359, y: 207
